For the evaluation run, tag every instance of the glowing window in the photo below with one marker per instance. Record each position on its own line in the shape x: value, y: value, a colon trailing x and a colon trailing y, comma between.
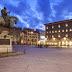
x: 66, y: 25
x: 31, y: 32
x: 47, y: 36
x: 64, y: 38
x: 62, y: 30
x: 47, y: 27
x: 66, y: 30
x: 59, y: 26
x: 55, y: 31
x: 58, y: 35
x: 52, y: 31
x: 52, y: 26
x: 59, y: 31
x: 49, y: 31
x: 70, y: 29
x: 52, y: 36
x: 66, y: 35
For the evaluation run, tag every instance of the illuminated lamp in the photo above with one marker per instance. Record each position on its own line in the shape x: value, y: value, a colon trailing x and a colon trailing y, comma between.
x: 21, y: 41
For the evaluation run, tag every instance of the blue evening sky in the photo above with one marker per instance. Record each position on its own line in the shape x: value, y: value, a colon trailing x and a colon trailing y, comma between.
x: 35, y: 13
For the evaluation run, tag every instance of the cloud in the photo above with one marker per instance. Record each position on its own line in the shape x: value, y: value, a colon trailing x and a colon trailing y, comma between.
x: 27, y: 12
x: 23, y: 23
x: 1, y: 6
x: 32, y: 3
x: 40, y: 26
x: 53, y: 4
x: 53, y: 11
x: 67, y: 15
x: 33, y: 7
x: 14, y: 3
x: 33, y: 17
x: 50, y: 19
x: 56, y: 2
x: 35, y: 13
x: 38, y: 15
x: 44, y: 8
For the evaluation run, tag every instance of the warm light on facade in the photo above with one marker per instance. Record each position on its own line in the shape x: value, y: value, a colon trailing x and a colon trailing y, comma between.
x: 58, y: 35
x: 31, y: 32
x: 66, y: 25
x: 59, y: 31
x: 63, y: 42
x: 49, y: 31
x: 47, y: 36
x: 52, y: 31
x: 21, y: 41
x: 54, y: 38
x: 70, y: 43
x: 47, y: 27
x: 59, y: 26
x: 70, y: 29
x: 52, y: 26
x: 66, y: 43
x: 42, y: 40
x: 62, y: 30
x: 38, y: 42
x: 66, y: 35
x: 64, y: 38
x: 55, y: 31
x: 66, y: 30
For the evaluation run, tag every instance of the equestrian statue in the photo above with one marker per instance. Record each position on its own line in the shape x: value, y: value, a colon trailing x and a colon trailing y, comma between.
x: 7, y: 20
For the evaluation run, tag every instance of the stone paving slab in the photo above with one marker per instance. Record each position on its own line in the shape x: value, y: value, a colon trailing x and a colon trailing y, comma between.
x: 39, y: 60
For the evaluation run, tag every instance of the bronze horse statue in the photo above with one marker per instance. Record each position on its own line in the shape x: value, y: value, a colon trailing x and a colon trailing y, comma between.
x: 6, y: 20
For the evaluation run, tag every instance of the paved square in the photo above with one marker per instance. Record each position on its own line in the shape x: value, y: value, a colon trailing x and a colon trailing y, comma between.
x: 39, y: 60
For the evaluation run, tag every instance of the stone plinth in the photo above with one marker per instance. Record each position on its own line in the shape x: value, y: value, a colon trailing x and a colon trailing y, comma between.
x: 5, y: 45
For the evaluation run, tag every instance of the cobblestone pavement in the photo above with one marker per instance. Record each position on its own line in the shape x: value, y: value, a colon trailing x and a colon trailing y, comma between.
x: 39, y: 60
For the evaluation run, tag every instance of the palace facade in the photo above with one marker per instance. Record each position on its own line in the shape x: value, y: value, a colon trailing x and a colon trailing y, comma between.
x: 59, y: 33
x: 29, y: 36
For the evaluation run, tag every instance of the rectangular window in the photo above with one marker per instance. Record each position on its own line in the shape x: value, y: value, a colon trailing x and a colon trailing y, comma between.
x: 70, y: 29
x: 46, y: 27
x: 55, y: 31
x: 59, y: 26
x: 58, y: 35
x: 59, y: 31
x: 52, y: 26
x: 66, y: 25
x: 49, y: 31
x: 62, y: 30
x: 52, y: 31
x: 66, y: 30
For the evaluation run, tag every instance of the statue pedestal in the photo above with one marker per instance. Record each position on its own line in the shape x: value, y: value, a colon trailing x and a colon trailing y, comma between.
x: 5, y: 42
x: 5, y: 45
